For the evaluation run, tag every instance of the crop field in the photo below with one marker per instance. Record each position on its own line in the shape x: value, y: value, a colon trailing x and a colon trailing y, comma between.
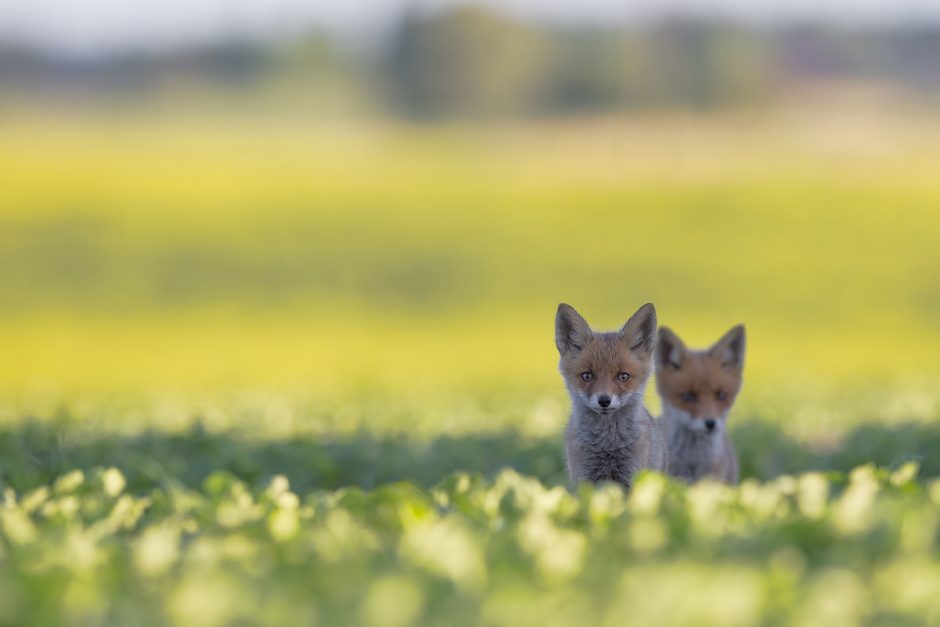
x: 267, y: 370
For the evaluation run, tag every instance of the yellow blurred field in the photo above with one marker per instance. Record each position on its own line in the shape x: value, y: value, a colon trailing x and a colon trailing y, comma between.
x: 278, y: 370
x: 166, y: 251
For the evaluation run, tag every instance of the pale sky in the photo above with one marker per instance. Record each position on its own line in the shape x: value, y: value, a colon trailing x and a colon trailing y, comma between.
x: 94, y: 27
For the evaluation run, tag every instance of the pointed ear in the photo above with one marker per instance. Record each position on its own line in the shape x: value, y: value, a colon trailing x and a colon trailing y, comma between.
x: 572, y: 332
x: 729, y: 350
x: 670, y: 350
x: 639, y: 332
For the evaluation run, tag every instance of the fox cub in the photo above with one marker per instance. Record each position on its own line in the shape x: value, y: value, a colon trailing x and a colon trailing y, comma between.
x: 610, y: 435
x: 698, y: 389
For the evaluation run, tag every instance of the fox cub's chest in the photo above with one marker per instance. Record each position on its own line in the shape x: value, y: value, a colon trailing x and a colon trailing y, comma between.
x: 609, y: 456
x: 610, y: 465
x: 694, y: 457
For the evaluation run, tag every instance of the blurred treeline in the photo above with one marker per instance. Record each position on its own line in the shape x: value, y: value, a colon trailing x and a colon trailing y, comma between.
x: 474, y: 62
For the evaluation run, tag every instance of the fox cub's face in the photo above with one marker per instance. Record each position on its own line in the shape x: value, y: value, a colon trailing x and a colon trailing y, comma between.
x: 605, y: 370
x: 699, y: 387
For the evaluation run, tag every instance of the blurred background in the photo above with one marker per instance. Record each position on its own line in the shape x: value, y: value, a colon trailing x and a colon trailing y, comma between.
x: 388, y: 200
x: 278, y: 281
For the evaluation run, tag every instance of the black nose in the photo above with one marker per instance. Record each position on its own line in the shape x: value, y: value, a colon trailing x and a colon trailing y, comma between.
x: 709, y: 424
x: 603, y: 401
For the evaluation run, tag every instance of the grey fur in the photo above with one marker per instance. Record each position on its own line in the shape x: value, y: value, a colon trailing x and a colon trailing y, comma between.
x: 613, y: 447
x: 572, y: 332
x: 694, y: 455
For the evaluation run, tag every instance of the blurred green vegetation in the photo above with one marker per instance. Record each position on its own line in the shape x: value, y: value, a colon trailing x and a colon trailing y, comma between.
x: 327, y: 444
x: 471, y: 62
x: 480, y: 63
x: 853, y: 550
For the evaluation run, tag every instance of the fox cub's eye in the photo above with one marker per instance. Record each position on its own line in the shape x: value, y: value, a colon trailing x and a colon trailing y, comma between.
x: 689, y: 397
x: 721, y: 395
x: 623, y: 376
x: 587, y: 376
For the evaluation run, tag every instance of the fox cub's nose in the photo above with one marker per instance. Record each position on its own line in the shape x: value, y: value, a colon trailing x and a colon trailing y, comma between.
x: 709, y: 424
x: 603, y: 400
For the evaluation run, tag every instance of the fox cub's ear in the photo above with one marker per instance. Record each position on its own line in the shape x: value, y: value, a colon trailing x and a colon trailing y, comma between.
x: 729, y: 350
x: 640, y: 330
x: 670, y: 351
x: 572, y: 332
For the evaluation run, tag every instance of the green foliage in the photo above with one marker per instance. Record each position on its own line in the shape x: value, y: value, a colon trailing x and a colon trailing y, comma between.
x: 468, y: 62
x: 229, y: 515
x: 416, y: 445
x: 507, y: 551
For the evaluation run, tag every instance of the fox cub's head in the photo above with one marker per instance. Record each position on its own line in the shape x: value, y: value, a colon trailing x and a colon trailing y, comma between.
x: 699, y: 387
x: 603, y: 371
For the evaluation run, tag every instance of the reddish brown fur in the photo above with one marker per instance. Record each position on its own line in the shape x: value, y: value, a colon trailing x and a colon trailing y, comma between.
x: 606, y: 356
x: 703, y: 374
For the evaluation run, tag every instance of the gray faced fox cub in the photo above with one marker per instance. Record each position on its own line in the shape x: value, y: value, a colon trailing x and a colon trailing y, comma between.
x: 698, y: 389
x: 610, y: 435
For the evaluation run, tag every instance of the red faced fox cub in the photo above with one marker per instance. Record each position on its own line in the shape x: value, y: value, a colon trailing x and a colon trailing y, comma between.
x: 610, y: 435
x: 698, y: 389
